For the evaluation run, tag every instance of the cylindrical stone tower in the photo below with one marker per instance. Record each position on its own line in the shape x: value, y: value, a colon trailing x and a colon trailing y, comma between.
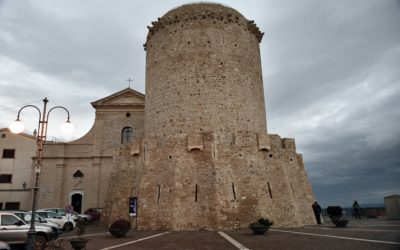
x: 206, y: 161
x: 203, y: 72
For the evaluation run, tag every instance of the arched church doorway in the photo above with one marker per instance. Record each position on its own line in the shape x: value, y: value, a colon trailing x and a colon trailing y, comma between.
x: 76, y: 202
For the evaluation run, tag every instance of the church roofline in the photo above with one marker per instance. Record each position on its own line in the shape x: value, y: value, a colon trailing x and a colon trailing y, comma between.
x: 103, y: 101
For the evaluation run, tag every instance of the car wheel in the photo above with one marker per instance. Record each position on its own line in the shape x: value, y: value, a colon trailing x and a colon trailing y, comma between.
x: 68, y: 226
x: 40, y: 242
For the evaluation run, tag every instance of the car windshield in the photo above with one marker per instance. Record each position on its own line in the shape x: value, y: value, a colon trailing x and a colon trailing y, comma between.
x: 50, y: 215
x: 61, y: 212
x: 28, y: 216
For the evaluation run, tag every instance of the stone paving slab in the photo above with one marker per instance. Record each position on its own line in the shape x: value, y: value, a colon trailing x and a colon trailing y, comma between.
x: 278, y: 241
x: 200, y: 240
x: 385, y: 235
x: 312, y: 237
x: 102, y: 239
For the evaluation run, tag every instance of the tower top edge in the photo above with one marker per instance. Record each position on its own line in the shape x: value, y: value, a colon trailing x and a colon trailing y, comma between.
x: 200, y: 11
x: 201, y: 6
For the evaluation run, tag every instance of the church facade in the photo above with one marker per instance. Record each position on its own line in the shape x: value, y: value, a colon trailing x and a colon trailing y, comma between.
x: 193, y: 153
x: 78, y: 172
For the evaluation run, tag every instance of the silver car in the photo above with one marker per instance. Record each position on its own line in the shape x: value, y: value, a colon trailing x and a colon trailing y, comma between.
x: 65, y: 221
x: 14, y: 230
x: 27, y: 216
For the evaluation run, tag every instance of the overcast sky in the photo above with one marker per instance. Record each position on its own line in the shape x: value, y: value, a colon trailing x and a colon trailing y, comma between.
x: 331, y: 73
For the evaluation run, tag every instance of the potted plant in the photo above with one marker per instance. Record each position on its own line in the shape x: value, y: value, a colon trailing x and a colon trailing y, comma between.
x: 335, y: 213
x: 119, y: 228
x: 261, y: 226
x: 79, y: 242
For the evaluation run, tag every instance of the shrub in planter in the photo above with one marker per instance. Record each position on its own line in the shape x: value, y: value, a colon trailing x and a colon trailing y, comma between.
x: 120, y: 228
x: 335, y: 213
x: 79, y: 242
x: 261, y: 226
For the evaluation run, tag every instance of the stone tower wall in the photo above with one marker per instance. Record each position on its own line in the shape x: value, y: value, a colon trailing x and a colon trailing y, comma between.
x: 209, y: 181
x: 203, y: 72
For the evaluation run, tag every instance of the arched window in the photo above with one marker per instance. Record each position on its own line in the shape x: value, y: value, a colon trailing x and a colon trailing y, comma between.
x: 126, y: 135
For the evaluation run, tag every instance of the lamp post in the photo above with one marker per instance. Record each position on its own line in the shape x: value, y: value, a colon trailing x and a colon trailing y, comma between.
x: 17, y: 127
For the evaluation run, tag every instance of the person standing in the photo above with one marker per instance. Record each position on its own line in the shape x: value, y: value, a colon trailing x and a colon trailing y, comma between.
x: 317, y: 212
x: 69, y: 209
x: 356, y: 210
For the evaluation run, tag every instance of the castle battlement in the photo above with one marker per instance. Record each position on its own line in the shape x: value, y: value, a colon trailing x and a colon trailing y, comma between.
x: 203, y: 141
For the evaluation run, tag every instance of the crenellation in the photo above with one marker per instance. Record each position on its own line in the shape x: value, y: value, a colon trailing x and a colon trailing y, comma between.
x: 288, y: 143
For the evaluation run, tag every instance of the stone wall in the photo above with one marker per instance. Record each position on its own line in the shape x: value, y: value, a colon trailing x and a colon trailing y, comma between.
x: 203, y: 73
x: 224, y: 184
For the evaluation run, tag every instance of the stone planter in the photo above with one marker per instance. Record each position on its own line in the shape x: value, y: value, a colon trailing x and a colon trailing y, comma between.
x: 259, y: 229
x: 78, y: 243
x: 118, y: 233
x: 340, y: 223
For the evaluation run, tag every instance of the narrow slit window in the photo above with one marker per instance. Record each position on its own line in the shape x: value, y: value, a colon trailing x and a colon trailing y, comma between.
x: 294, y: 195
x: 233, y: 191
x: 269, y: 190
x: 159, y: 194
x: 195, y: 196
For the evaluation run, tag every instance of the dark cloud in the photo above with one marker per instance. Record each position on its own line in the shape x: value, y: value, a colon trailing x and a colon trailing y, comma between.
x: 331, y: 76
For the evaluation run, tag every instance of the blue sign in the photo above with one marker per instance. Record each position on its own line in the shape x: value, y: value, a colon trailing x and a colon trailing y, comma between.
x: 132, y: 206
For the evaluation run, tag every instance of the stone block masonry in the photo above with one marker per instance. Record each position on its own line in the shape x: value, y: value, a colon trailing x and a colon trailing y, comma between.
x: 226, y: 183
x: 203, y: 73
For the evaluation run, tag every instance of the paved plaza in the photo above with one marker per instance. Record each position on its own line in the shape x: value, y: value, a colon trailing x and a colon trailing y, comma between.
x: 360, y: 234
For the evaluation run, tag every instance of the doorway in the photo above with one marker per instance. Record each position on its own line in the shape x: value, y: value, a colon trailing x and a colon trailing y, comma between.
x: 76, y: 202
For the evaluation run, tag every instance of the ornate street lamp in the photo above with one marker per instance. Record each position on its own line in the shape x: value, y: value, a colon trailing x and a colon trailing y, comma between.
x: 17, y: 127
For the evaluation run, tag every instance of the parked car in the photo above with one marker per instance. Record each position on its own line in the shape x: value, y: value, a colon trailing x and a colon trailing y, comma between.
x: 94, y: 212
x: 14, y: 230
x: 61, y: 211
x: 27, y: 216
x: 86, y: 217
x: 67, y: 222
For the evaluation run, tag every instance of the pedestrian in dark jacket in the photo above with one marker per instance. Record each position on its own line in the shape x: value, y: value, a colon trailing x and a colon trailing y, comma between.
x: 356, y: 210
x: 317, y: 211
